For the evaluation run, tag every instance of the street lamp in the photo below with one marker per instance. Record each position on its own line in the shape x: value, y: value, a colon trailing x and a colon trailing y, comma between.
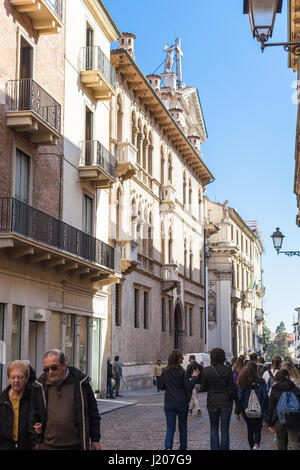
x: 262, y: 15
x: 277, y: 242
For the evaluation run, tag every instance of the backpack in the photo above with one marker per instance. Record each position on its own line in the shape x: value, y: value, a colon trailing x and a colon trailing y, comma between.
x: 270, y: 381
x: 253, y: 409
x: 288, y: 409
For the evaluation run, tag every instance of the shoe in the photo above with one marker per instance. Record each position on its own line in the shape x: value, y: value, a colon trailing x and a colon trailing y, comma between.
x: 199, y: 413
x: 112, y: 398
x: 118, y: 396
x: 255, y: 447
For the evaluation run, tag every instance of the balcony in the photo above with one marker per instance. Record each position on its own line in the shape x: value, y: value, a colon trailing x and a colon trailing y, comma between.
x: 259, y: 315
x: 97, y: 165
x: 260, y: 290
x: 169, y: 275
x: 167, y: 196
x: 45, y: 15
x: 129, y: 256
x: 32, y: 110
x: 247, y: 298
x: 97, y: 73
x: 41, y: 238
x: 126, y: 162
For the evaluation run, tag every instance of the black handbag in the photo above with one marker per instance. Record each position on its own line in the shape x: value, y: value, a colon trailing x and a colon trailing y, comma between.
x: 230, y: 392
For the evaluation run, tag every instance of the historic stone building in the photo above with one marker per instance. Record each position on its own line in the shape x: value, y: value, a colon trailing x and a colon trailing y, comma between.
x: 56, y: 87
x: 157, y: 215
x: 235, y: 284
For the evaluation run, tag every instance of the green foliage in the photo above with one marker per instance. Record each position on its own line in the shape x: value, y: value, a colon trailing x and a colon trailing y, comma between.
x: 278, y: 347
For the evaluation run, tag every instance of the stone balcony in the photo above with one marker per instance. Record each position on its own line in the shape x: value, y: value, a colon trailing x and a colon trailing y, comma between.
x: 260, y: 290
x: 97, y: 165
x: 167, y: 197
x: 97, y: 73
x: 126, y: 161
x: 129, y: 256
x: 247, y: 298
x: 45, y: 15
x: 259, y: 315
x: 28, y: 232
x: 169, y: 275
x: 32, y: 110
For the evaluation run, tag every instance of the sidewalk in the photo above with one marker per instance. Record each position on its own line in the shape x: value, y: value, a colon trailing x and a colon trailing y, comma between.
x: 128, y: 398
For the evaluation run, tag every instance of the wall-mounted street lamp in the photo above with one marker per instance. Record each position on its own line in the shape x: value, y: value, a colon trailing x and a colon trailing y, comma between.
x: 277, y: 238
x: 262, y: 15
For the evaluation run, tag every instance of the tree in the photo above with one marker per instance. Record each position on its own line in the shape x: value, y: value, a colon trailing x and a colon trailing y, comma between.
x: 277, y: 347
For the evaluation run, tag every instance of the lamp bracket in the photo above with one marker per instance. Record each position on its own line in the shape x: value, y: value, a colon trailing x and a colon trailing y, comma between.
x: 292, y: 47
x: 290, y: 253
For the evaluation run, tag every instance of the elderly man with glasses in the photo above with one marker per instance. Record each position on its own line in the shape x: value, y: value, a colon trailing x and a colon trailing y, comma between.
x: 64, y: 413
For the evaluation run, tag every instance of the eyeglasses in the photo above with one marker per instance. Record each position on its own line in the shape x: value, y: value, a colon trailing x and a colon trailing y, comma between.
x: 52, y: 368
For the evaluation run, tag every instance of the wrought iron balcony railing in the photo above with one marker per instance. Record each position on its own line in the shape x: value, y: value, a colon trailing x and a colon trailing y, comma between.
x: 94, y: 153
x: 57, y: 6
x: 27, y: 95
x: 93, y: 58
x: 20, y: 218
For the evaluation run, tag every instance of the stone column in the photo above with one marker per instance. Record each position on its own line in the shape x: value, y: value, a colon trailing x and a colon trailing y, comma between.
x: 224, y: 311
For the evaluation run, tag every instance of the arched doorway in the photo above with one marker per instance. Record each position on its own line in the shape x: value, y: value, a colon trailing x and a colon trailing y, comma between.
x: 178, y: 327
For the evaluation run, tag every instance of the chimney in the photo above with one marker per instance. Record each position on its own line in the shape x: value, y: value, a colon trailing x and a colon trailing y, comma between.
x: 154, y: 81
x: 126, y: 41
x: 195, y: 141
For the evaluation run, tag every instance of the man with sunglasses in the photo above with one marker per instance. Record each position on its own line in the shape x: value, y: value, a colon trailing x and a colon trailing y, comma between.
x: 64, y: 413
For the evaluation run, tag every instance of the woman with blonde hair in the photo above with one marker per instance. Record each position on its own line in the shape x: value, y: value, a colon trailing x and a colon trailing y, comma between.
x: 14, y: 408
x: 293, y: 371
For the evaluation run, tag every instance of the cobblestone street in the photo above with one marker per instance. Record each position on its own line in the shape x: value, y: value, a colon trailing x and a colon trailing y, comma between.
x: 142, y: 427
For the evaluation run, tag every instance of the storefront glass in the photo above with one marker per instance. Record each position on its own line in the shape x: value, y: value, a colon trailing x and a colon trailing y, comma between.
x: 96, y: 353
x: 84, y: 345
x: 16, y: 333
x: 70, y: 339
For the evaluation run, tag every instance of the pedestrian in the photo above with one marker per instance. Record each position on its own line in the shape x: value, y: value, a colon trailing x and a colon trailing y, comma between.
x: 253, y: 357
x: 14, y: 408
x: 250, y: 383
x: 178, y: 387
x: 287, y: 436
x: 237, y: 367
x: 217, y: 381
x: 117, y: 375
x: 269, y: 374
x: 157, y: 373
x: 194, y: 403
x: 64, y: 413
x: 233, y: 360
x: 260, y: 366
x: 293, y: 372
x: 109, y: 388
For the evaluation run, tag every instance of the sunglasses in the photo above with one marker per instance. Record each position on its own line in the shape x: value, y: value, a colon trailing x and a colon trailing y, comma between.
x: 52, y: 368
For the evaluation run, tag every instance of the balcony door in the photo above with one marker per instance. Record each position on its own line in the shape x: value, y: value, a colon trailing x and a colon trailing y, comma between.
x: 89, y: 47
x: 25, y: 74
x: 89, y: 118
x: 22, y: 176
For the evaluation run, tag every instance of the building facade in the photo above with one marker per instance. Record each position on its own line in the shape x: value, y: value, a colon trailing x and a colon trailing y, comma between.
x: 235, y: 287
x: 157, y: 215
x: 55, y: 179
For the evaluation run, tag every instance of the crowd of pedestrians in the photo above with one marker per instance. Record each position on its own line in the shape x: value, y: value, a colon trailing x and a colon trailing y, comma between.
x: 256, y: 394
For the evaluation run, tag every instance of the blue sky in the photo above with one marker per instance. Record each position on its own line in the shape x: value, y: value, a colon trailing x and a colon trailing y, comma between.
x: 247, y: 103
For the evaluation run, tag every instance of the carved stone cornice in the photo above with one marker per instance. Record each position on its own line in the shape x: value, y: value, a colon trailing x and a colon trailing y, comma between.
x: 223, y: 275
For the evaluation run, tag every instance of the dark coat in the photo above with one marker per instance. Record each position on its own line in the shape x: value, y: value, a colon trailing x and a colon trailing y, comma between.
x: 190, y: 369
x: 177, y: 384
x: 260, y: 387
x: 217, y: 393
x: 7, y: 421
x: 87, y: 414
x: 284, y: 385
x: 109, y: 371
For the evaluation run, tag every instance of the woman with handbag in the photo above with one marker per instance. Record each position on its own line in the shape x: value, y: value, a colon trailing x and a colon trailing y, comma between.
x: 253, y: 402
x: 217, y: 381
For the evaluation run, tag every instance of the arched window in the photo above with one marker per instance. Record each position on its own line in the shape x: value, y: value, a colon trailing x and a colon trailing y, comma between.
x: 170, y: 247
x: 170, y: 169
x: 134, y: 130
x: 190, y: 194
x: 162, y: 167
x: 118, y: 214
x: 119, y: 119
x: 191, y: 265
x: 150, y: 238
x: 184, y: 189
x: 185, y: 258
x: 150, y: 154
x: 199, y: 205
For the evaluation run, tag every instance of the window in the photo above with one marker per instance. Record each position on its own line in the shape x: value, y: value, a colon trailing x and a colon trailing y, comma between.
x: 118, y: 319
x: 55, y: 330
x: 170, y: 169
x: 136, y: 307
x: 232, y: 233
x: 184, y: 189
x: 170, y: 315
x: 146, y: 310
x: 26, y: 61
x: 22, y: 176
x: 237, y: 238
x: 84, y: 341
x: 191, y: 321
x: 89, y: 156
x: 87, y: 215
x: 190, y: 194
x: 163, y: 314
x: 191, y: 265
x: 16, y: 333
x: 70, y: 339
x: 89, y: 47
x: 2, y: 350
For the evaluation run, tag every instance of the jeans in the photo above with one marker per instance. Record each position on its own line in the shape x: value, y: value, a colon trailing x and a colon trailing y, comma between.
x: 194, y: 403
x: 287, y: 437
x: 109, y: 388
x: 219, y: 416
x: 157, y: 382
x: 171, y: 411
x: 254, y: 430
x: 117, y: 386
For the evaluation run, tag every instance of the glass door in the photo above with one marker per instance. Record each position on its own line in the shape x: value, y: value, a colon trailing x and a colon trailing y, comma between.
x: 96, y: 354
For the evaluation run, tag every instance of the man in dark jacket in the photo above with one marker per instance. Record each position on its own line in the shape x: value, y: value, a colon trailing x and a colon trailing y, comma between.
x: 287, y: 436
x: 109, y: 391
x: 194, y: 365
x: 64, y: 413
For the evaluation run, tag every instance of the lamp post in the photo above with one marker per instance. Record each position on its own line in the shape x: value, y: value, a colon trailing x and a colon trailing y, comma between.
x: 277, y: 238
x: 262, y: 16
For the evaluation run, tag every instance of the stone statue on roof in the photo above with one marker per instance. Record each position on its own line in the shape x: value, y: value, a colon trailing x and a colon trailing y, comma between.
x: 169, y: 59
